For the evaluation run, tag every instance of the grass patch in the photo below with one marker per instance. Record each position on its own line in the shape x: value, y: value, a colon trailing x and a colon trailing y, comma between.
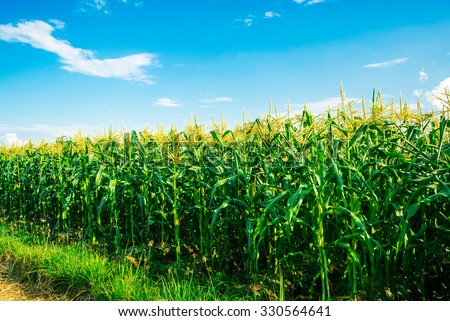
x: 80, y: 274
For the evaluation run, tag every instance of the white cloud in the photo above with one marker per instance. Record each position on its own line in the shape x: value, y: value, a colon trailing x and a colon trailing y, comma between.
x: 438, y: 95
x: 309, y: 2
x: 11, y: 139
x: 167, y: 102
x: 217, y: 100
x: 38, y: 34
x: 271, y: 14
x: 387, y: 64
x: 423, y: 75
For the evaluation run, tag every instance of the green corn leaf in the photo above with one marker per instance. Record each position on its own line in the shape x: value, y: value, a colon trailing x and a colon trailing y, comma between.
x: 216, y: 213
x: 412, y: 210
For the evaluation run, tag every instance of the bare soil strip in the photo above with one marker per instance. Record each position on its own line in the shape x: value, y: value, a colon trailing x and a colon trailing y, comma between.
x: 12, y: 290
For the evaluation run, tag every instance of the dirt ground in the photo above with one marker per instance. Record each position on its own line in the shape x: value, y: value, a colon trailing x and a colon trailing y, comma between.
x: 12, y: 290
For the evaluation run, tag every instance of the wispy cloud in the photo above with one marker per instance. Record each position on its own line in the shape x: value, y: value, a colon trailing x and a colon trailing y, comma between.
x: 93, y: 6
x: 167, y: 102
x: 251, y: 19
x: 418, y: 92
x: 387, y: 64
x: 11, y: 135
x: 57, y: 23
x: 271, y: 14
x: 217, y: 100
x: 136, y: 3
x: 38, y: 34
x: 247, y: 22
x: 309, y: 2
x: 423, y: 75
x: 314, y: 2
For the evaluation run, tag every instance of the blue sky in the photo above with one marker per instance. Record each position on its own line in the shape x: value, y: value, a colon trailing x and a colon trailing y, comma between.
x: 92, y: 64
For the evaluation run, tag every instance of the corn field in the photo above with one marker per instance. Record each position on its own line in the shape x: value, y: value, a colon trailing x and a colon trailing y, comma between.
x: 352, y: 204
